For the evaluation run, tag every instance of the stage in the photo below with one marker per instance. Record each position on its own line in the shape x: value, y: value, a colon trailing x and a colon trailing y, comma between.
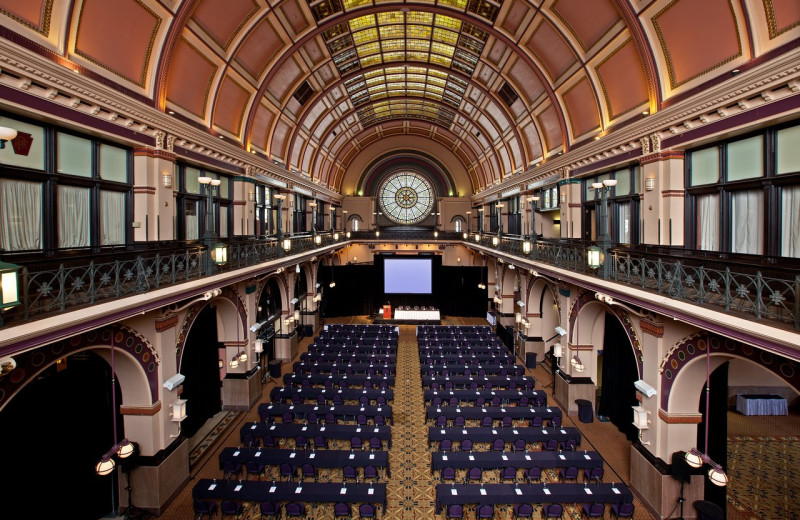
x: 378, y: 319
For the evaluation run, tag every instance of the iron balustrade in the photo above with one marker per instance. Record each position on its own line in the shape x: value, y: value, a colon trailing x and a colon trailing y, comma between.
x: 733, y: 287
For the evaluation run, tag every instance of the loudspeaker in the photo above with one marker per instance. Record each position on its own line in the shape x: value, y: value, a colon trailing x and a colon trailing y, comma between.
x: 681, y: 470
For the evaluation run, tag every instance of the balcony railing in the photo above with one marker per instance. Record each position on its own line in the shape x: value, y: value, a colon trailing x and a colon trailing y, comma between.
x: 733, y: 287
x: 758, y: 292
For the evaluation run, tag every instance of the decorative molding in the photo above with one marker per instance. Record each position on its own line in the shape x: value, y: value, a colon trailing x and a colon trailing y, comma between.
x: 673, y: 193
x: 589, y: 348
x: 141, y: 410
x: 679, y: 418
x: 662, y: 156
x: 166, y: 323
x: 144, y: 189
x: 652, y: 329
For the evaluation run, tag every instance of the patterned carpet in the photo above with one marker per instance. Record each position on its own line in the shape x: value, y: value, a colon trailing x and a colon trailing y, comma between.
x: 764, y: 475
x: 212, y: 437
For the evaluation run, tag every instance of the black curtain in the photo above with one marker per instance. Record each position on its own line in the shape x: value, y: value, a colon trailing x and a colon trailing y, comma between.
x: 68, y: 410
x: 359, y: 290
x: 717, y: 430
x: 619, y: 374
x: 200, y: 367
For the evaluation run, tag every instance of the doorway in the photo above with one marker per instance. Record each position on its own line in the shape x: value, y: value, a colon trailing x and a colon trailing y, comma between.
x: 200, y: 367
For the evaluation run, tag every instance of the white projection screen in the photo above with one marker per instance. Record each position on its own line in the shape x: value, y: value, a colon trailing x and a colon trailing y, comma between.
x: 408, y: 276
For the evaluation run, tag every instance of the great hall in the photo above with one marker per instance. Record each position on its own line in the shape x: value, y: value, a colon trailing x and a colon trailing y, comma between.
x: 204, y: 202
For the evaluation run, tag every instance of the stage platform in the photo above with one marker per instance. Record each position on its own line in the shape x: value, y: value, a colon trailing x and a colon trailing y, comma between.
x: 377, y: 319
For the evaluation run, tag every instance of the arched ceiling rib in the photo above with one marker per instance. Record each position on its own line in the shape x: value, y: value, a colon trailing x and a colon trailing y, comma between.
x: 282, y: 77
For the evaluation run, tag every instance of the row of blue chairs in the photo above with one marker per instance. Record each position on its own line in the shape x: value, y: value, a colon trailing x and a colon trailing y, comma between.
x: 593, y: 510
x: 272, y: 510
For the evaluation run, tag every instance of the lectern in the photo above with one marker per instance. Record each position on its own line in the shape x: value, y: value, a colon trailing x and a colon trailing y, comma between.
x: 387, y: 312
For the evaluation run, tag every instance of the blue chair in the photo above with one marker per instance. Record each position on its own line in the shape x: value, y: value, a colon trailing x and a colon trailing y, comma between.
x: 509, y: 473
x: 519, y: 445
x: 204, y: 507
x: 447, y: 474
x: 459, y: 421
x: 370, y: 473
x: 308, y: 471
x: 485, y: 511
x: 301, y: 442
x: 287, y: 470
x: 342, y: 510
x: 270, y: 510
x: 523, y: 511
x: 552, y: 511
x: 533, y: 474
x: 455, y: 511
x: 255, y: 468
x: 475, y: 475
x: 375, y: 443
x: 231, y: 468
x: 498, y: 445
x: 446, y: 445
x: 466, y: 445
x: 366, y: 511
x: 596, y: 510
x: 356, y: 443
x: 570, y: 473
x: 622, y: 510
x: 231, y: 508
x: 595, y: 474
x: 349, y: 472
x: 296, y: 510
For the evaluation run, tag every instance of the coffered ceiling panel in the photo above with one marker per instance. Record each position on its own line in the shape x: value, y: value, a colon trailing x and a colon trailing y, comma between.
x: 500, y: 83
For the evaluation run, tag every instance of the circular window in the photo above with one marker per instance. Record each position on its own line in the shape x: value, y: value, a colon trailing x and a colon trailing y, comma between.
x: 406, y: 197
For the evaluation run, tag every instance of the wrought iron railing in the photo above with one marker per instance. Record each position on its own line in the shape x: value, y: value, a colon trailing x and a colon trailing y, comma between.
x: 734, y: 287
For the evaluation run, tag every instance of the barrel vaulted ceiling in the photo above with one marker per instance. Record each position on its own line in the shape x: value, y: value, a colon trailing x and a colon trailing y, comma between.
x: 501, y: 84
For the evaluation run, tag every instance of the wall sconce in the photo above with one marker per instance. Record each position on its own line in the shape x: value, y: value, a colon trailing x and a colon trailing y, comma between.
x: 477, y: 237
x: 526, y: 247
x: 650, y: 183
x: 296, y: 315
x: 594, y: 257
x: 166, y: 179
x: 234, y: 362
x: 563, y: 198
x: 258, y: 346
x: 577, y: 364
x: 242, y: 356
x: 518, y: 318
x: 435, y: 234
x: 6, y: 134
x: 9, y: 291
x: 179, y: 410
x: 318, y: 239
x: 481, y: 286
x: 495, y: 241
x: 220, y: 254
x: 287, y: 244
x: 251, y: 195
x: 220, y: 363
x: 377, y: 233
x: 466, y: 235
x: 336, y: 237
x: 347, y: 235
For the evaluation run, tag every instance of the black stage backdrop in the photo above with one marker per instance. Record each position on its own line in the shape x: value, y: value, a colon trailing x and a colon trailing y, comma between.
x: 359, y: 289
x: 717, y: 430
x: 200, y: 366
x: 619, y: 374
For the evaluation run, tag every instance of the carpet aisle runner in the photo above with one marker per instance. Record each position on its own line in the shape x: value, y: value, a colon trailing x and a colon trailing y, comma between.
x: 410, y: 491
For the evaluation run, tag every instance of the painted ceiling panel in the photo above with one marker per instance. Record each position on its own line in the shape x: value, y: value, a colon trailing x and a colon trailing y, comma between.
x: 582, y: 110
x: 526, y: 81
x: 623, y: 80
x: 531, y: 137
x: 551, y: 49
x: 259, y: 48
x: 230, y: 105
x: 190, y: 76
x: 514, y: 17
x: 786, y: 14
x: 123, y: 49
x: 313, y: 115
x: 548, y: 122
x: 222, y: 19
x: 279, y: 138
x: 294, y: 15
x: 262, y: 123
x: 34, y: 14
x: 587, y: 21
x: 286, y: 77
x: 697, y: 37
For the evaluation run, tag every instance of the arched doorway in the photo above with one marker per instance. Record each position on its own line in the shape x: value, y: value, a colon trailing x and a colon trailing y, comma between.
x: 64, y: 421
x: 617, y: 372
x: 200, y: 367
x: 268, y: 311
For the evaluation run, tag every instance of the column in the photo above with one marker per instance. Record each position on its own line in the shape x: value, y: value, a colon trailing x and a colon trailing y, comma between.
x: 663, y: 192
x: 154, y: 199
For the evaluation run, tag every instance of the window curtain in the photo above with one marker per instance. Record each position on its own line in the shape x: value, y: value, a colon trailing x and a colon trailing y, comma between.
x: 20, y: 215
x: 790, y: 222
x: 192, y: 227
x: 708, y: 222
x: 624, y: 214
x: 747, y: 222
x: 223, y: 221
x: 73, y: 217
x: 112, y: 218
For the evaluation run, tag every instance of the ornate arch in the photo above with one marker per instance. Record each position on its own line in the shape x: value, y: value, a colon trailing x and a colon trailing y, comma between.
x: 695, y: 345
x: 31, y: 364
x: 587, y: 297
x: 194, y: 311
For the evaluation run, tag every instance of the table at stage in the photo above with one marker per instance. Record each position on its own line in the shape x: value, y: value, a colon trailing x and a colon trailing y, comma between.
x: 264, y: 491
x: 337, y: 357
x: 761, y: 404
x: 484, y: 435
x: 337, y: 381
x: 561, y: 493
x: 340, y: 432
x: 344, y: 351
x: 339, y: 411
x: 318, y: 458
x: 417, y: 315
x: 476, y: 413
x: 348, y: 394
x: 488, y: 395
x: 519, y: 459
x: 480, y: 382
x: 436, y: 349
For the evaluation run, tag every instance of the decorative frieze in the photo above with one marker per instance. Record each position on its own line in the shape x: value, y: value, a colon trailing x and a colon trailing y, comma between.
x: 653, y: 329
x: 679, y: 418
x: 145, y: 411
